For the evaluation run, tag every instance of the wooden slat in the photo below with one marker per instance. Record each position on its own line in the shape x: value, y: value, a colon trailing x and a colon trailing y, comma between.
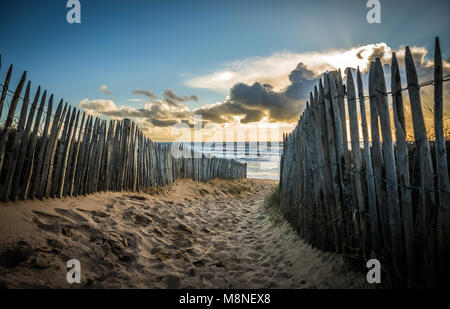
x: 94, y: 158
x: 317, y: 180
x: 35, y: 181
x: 403, y: 171
x: 377, y: 159
x: 65, y: 157
x: 5, y: 89
x: 90, y: 158
x: 319, y: 171
x: 74, y: 156
x: 441, y: 151
x: 356, y: 154
x: 98, y: 158
x: 47, y: 166
x: 375, y: 232
x: 9, y: 119
x: 14, y: 152
x: 61, y: 151
x: 108, y: 151
x: 79, y: 172
x: 29, y: 168
x: 428, y: 207
x: 333, y: 160
x: 124, y: 155
x: 20, y: 168
x: 101, y: 168
x: 326, y: 167
x: 347, y: 207
x: 69, y: 160
x: 390, y: 172
x: 347, y: 175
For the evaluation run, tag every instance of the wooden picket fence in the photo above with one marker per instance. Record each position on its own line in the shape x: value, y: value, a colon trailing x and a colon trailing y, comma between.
x: 70, y: 153
x: 385, y: 200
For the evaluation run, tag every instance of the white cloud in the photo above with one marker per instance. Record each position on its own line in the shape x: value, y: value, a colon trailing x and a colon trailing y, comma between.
x: 104, y: 89
x: 98, y: 105
x: 275, y: 69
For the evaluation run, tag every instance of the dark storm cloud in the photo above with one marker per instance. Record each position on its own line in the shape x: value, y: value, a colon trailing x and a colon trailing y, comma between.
x: 146, y: 93
x: 173, y: 99
x: 302, y: 80
x: 256, y: 101
x: 163, y: 123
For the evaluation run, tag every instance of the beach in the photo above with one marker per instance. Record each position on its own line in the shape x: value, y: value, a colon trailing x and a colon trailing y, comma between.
x: 188, y: 235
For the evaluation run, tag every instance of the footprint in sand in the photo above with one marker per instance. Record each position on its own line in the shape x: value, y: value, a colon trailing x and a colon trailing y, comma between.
x: 71, y: 214
x: 205, y: 230
x: 220, y: 245
x: 182, y: 243
x: 161, y: 253
x: 52, y: 227
x: 89, y: 232
x: 141, y: 220
x: 183, y: 229
x: 137, y: 197
x: 96, y: 215
x: 15, y: 255
x: 172, y: 282
x: 49, y: 222
x: 199, y: 263
x: 55, y: 243
x: 109, y: 207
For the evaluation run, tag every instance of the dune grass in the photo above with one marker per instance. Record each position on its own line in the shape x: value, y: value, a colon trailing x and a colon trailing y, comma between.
x: 272, y: 206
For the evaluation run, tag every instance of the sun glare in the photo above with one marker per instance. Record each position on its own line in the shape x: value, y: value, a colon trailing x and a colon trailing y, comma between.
x: 358, y: 56
x: 224, y: 75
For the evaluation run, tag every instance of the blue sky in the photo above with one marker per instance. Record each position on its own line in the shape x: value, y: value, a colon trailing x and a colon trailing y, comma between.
x: 155, y: 45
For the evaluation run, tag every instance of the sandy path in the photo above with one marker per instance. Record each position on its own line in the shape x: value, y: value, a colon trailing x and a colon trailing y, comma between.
x: 193, y: 235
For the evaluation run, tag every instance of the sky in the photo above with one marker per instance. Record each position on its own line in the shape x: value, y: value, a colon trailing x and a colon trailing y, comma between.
x: 235, y: 63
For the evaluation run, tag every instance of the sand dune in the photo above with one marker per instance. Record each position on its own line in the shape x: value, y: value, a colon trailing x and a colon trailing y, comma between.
x: 191, y: 235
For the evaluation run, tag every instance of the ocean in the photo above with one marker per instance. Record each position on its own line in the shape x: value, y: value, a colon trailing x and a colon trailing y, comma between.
x: 263, y: 158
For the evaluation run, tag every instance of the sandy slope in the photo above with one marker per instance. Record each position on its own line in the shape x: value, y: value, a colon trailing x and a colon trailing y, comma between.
x: 193, y: 235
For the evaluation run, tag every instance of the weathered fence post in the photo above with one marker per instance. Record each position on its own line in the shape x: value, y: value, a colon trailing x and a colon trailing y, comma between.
x: 14, y: 155
x: 403, y: 169
x: 36, y: 179
x: 50, y: 152
x: 5, y: 89
x: 377, y: 158
x: 18, y: 175
x: 390, y: 170
x: 354, y: 131
x: 441, y: 151
x: 428, y: 209
x: 9, y: 119
x: 376, y: 236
